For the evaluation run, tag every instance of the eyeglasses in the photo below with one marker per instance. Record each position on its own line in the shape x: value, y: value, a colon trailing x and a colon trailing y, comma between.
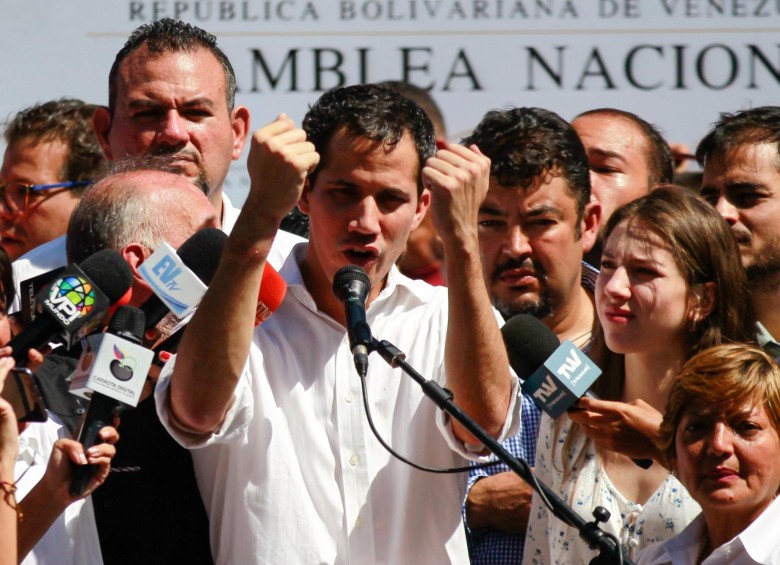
x: 16, y: 195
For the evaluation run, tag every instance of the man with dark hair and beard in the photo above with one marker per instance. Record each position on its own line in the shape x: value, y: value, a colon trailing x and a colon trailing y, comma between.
x: 535, y: 224
x: 741, y: 161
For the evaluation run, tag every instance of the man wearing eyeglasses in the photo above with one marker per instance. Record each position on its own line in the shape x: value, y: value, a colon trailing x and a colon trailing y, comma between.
x: 52, y: 155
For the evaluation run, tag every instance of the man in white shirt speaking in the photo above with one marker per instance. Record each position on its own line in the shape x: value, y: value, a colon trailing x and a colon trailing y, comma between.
x: 286, y: 463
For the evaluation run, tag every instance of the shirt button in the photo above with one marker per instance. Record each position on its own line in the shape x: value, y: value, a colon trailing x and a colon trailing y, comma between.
x: 359, y: 522
x: 354, y: 460
x: 349, y: 397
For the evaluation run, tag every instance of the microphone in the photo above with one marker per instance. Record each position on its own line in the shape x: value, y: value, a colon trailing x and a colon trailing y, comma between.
x: 174, y: 276
x: 113, y: 366
x: 351, y: 285
x: 29, y: 289
x: 555, y: 375
x: 272, y: 291
x: 273, y: 288
x: 179, y: 279
x: 75, y: 302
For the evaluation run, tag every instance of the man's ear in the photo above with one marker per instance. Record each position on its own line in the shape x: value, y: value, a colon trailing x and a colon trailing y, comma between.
x: 239, y: 119
x: 303, y: 201
x: 101, y: 124
x: 702, y: 301
x: 134, y: 255
x: 423, y: 203
x: 589, y: 227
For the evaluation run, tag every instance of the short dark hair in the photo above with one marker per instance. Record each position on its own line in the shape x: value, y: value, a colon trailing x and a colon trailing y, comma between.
x: 756, y: 125
x: 375, y: 112
x: 68, y: 120
x: 524, y: 144
x: 660, y: 162
x: 169, y: 35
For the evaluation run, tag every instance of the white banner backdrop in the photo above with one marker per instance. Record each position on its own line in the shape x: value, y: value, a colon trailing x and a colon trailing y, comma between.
x: 678, y: 63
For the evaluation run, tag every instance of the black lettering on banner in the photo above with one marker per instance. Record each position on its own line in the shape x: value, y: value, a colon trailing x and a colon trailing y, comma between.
x: 407, y: 68
x: 701, y: 69
x: 136, y: 11
x: 468, y: 72
x: 629, y: 67
x: 600, y: 70
x: 274, y: 80
x: 756, y: 54
x: 679, y: 77
x: 320, y: 68
x: 641, y: 67
x: 535, y: 56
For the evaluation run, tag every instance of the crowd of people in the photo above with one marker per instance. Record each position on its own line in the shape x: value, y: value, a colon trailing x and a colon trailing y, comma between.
x: 255, y: 442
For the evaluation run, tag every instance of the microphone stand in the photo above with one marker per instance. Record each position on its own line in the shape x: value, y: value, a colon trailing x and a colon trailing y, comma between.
x: 609, y: 550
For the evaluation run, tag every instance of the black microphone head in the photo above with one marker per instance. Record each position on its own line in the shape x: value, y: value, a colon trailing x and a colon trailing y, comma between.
x: 529, y: 343
x: 128, y: 322
x: 202, y: 252
x: 351, y: 279
x: 110, y: 273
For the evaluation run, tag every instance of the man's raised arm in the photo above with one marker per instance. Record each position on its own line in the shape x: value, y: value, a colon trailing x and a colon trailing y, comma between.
x: 476, y: 361
x: 216, y: 344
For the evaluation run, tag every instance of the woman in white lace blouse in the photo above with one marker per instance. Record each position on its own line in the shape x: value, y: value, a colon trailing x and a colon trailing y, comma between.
x: 671, y: 284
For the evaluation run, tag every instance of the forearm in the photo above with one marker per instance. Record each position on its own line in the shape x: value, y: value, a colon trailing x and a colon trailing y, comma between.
x: 8, y: 520
x: 501, y: 501
x: 476, y: 360
x: 40, y: 508
x: 216, y: 343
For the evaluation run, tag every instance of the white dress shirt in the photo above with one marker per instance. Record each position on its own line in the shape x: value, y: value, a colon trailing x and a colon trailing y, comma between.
x: 294, y: 474
x: 758, y: 544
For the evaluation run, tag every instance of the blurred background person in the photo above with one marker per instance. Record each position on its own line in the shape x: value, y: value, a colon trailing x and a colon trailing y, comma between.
x: 51, y: 156
x: 741, y: 161
x: 721, y: 435
x: 424, y: 255
x: 670, y: 285
x: 628, y: 157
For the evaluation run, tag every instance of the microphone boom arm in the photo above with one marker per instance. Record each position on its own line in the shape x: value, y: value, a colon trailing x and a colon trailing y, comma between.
x: 589, y: 531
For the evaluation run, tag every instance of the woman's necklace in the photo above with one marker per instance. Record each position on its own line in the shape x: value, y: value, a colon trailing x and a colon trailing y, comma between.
x: 581, y: 340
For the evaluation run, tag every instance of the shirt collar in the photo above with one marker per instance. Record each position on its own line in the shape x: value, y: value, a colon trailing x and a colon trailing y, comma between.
x: 761, y: 547
x: 396, y: 281
x: 684, y: 547
x: 588, y: 277
x: 767, y: 340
